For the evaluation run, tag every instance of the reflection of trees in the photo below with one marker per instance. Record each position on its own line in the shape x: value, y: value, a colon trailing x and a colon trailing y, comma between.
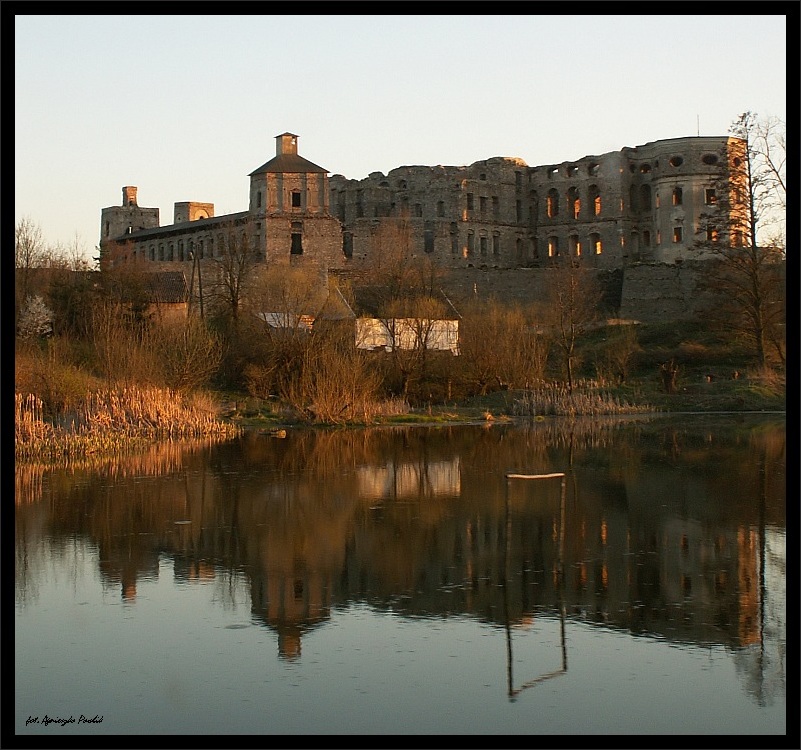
x: 415, y: 519
x: 153, y: 460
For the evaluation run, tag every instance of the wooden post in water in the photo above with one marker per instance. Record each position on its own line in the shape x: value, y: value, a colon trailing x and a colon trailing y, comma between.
x: 560, y: 585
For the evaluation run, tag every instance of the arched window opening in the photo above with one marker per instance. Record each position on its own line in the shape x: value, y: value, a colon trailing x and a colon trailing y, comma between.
x: 574, y: 246
x: 677, y: 195
x: 553, y: 247
x: 645, y: 197
x: 552, y: 203
x: 573, y: 203
x: 633, y: 202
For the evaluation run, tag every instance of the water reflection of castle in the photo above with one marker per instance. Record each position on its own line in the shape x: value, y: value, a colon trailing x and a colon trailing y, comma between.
x: 425, y: 533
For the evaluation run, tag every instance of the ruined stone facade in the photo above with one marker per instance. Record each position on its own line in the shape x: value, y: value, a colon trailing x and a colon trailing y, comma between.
x: 287, y: 220
x: 644, y: 206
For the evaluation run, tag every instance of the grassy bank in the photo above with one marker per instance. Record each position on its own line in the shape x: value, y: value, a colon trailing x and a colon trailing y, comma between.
x: 115, y: 421
x: 695, y: 391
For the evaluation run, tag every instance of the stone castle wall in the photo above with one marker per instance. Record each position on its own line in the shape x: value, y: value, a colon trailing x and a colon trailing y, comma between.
x: 646, y: 292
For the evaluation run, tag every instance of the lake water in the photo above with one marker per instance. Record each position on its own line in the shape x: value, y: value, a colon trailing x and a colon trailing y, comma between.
x: 398, y: 581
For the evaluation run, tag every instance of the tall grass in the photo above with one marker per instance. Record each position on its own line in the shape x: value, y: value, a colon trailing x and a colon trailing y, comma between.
x: 114, y: 421
x: 588, y: 398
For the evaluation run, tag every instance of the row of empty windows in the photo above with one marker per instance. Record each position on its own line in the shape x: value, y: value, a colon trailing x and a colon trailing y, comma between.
x: 572, y: 170
x: 677, y: 160
x: 575, y: 247
x: 207, y: 247
x: 639, y: 200
x: 294, y: 199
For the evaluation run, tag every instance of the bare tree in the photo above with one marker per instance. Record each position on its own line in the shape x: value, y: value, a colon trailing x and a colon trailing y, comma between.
x: 746, y: 280
x: 282, y: 305
x: 230, y: 271
x: 395, y: 267
x: 574, y: 297
x: 766, y: 154
x: 189, y: 353
x: 412, y: 324
x: 615, y: 358
x: 30, y: 253
x: 499, y: 344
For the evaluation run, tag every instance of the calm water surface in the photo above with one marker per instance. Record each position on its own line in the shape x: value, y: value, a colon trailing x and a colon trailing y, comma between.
x: 398, y: 581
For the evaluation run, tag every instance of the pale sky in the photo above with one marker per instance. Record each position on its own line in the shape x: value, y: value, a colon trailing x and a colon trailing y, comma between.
x: 186, y: 106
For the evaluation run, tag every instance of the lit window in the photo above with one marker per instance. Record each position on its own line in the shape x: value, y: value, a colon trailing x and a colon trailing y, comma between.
x: 712, y: 234
x: 574, y: 202
x: 677, y: 196
x: 677, y: 234
x: 552, y: 204
x: 710, y: 197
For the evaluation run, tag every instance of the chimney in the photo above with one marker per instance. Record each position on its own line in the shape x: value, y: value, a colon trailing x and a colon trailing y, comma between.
x: 129, y: 195
x: 286, y: 143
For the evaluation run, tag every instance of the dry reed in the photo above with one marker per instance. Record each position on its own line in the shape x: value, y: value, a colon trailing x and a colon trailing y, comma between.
x: 113, y: 422
x: 586, y: 399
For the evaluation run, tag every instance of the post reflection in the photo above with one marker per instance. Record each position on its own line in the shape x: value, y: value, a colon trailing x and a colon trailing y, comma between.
x: 515, y: 477
x: 666, y: 532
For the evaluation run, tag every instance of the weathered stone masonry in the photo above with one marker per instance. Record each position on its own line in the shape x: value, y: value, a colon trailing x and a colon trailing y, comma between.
x: 614, y: 212
x: 638, y: 204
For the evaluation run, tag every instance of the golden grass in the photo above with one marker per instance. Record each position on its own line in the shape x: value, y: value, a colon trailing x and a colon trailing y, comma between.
x: 586, y: 399
x: 115, y: 421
